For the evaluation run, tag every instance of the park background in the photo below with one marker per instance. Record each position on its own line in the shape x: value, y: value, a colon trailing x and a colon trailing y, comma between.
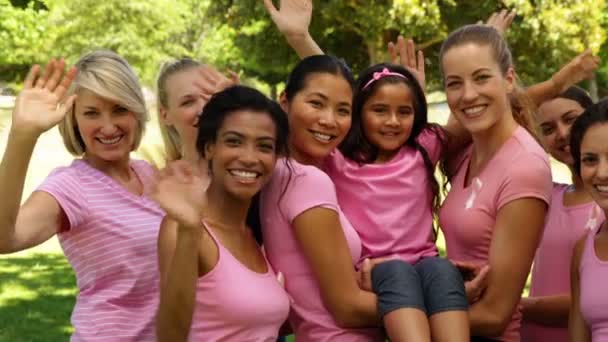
x: 37, y: 286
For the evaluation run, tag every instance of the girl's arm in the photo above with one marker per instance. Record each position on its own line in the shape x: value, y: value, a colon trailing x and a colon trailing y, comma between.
x: 580, y: 68
x: 37, y: 109
x: 517, y: 233
x: 293, y: 20
x: 579, y: 331
x: 320, y: 234
x: 551, y: 311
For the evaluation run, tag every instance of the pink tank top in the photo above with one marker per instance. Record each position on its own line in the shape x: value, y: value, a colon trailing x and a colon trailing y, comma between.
x: 234, y: 303
x: 564, y: 226
x: 593, y: 277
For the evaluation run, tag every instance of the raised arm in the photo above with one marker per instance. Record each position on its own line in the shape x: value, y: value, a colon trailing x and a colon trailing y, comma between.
x: 320, y: 234
x: 579, y: 331
x: 181, y: 195
x: 516, y: 235
x: 37, y: 109
x: 580, y: 68
x: 293, y: 20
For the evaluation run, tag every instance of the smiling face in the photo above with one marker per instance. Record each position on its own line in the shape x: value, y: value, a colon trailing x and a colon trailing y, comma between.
x: 594, y: 163
x: 184, y: 104
x: 244, y: 153
x: 388, y: 118
x: 556, y: 118
x: 107, y: 129
x: 476, y: 89
x: 319, y: 116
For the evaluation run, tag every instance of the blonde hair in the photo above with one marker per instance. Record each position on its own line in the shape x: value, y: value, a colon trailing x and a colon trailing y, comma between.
x: 521, y: 106
x: 171, y: 138
x: 111, y: 77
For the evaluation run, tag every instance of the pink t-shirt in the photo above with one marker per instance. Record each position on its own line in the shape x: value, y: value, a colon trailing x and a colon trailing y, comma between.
x: 593, y: 277
x: 389, y: 204
x: 289, y: 194
x: 564, y: 226
x: 111, y: 245
x: 519, y: 169
x: 234, y: 303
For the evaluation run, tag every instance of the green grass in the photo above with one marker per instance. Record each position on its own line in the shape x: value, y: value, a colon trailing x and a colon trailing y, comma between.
x: 37, y: 293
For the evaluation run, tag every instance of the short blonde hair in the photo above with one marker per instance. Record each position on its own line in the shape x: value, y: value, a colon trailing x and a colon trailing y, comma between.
x: 111, y: 77
x: 171, y: 139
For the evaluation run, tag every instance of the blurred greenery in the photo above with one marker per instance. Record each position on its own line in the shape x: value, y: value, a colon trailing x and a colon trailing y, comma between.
x: 238, y: 34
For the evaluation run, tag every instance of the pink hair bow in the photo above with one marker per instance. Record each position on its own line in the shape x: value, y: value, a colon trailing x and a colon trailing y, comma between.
x: 381, y: 74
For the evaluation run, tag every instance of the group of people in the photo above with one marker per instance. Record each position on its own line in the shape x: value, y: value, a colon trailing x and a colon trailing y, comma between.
x: 317, y: 215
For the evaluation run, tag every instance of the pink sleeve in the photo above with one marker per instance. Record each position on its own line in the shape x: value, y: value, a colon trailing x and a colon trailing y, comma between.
x: 529, y: 176
x: 430, y: 140
x: 307, y: 190
x: 63, y: 185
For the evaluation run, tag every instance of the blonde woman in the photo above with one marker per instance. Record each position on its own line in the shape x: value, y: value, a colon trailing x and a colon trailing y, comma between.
x: 96, y: 206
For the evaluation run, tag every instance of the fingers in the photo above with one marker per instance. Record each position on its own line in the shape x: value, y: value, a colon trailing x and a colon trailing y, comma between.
x: 30, y: 79
x: 56, y: 75
x: 510, y: 17
x: 392, y: 52
x: 270, y: 7
x: 69, y: 103
x: 411, y: 54
x: 48, y: 69
x: 67, y: 80
x: 365, y: 275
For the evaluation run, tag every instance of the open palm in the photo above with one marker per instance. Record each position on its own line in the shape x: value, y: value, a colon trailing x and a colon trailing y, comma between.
x: 293, y: 16
x: 180, y: 191
x: 38, y: 107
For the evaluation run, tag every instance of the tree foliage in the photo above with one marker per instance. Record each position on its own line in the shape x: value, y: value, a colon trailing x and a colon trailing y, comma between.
x: 239, y: 35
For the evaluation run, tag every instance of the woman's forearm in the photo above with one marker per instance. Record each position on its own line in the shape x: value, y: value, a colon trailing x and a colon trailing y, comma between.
x: 178, y: 292
x: 13, y: 169
x: 548, y: 310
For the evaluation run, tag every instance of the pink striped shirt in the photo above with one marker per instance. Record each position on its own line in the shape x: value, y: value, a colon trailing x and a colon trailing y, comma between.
x: 111, y: 245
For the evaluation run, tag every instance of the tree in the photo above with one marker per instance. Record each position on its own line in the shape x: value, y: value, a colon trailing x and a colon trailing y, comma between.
x: 22, y: 39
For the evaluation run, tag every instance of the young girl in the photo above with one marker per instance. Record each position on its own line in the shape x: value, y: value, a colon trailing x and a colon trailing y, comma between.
x: 589, y: 147
x: 500, y: 186
x: 216, y: 283
x: 97, y: 206
x: 571, y: 214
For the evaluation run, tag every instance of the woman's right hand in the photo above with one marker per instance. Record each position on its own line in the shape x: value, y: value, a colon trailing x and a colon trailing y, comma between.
x: 180, y: 192
x: 292, y: 18
x: 38, y: 107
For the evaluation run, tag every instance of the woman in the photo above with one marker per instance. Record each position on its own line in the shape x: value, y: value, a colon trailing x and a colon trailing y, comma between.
x: 571, y: 214
x: 216, y: 283
x: 97, y: 206
x: 589, y: 147
x: 500, y: 186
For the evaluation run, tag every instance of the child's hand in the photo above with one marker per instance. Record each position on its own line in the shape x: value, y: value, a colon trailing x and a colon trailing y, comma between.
x: 474, y: 275
x: 292, y: 18
x: 405, y: 54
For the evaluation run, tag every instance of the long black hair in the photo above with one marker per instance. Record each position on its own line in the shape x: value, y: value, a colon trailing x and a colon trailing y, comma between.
x: 594, y: 114
x: 233, y: 99
x: 356, y: 146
